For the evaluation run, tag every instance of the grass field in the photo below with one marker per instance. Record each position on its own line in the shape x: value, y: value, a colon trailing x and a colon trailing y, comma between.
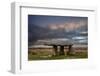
x: 46, y: 54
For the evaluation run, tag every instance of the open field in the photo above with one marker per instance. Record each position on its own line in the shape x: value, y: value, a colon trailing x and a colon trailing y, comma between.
x: 47, y: 54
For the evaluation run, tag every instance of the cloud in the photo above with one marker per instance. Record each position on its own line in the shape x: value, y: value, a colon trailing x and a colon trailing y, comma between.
x: 68, y: 26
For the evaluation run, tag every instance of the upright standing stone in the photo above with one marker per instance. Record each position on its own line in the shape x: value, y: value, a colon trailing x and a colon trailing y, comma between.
x: 61, y: 50
x: 55, y: 50
x: 69, y: 49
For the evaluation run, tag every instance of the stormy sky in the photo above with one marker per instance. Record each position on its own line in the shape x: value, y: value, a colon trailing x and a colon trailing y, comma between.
x: 68, y: 21
x: 68, y: 24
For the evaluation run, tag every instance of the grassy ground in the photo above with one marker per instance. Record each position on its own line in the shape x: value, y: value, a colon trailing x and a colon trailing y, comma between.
x: 47, y: 55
